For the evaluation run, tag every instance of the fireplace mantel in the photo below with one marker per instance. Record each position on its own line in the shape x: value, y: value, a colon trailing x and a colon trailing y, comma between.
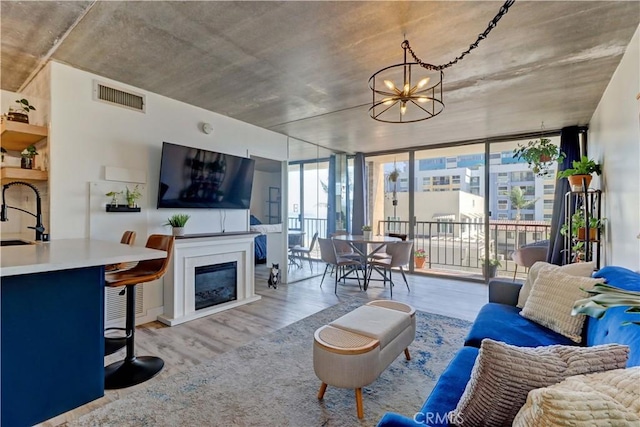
x: 201, y: 250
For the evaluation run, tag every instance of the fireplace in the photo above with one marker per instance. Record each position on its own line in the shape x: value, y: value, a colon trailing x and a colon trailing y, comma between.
x: 216, y: 284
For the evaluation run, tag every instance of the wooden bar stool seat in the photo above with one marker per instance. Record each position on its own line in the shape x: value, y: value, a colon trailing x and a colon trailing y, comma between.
x: 134, y: 370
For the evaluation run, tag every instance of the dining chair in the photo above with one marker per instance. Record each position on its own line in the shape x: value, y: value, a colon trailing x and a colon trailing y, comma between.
x: 526, y: 256
x: 400, y: 255
x: 328, y: 255
x: 383, y: 254
x: 343, y: 248
x: 134, y: 369
x: 302, y: 252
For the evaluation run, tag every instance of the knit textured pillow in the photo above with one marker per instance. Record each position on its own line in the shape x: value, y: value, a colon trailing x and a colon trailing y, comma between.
x: 503, y: 375
x: 610, y: 398
x: 551, y: 299
x: 582, y: 269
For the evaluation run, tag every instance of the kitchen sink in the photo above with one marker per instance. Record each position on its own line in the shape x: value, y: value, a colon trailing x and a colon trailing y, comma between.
x: 14, y: 243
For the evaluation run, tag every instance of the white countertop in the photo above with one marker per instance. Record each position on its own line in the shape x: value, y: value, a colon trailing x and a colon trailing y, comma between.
x: 68, y: 253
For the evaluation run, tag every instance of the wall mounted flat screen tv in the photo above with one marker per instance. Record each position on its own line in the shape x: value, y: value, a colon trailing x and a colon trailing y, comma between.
x: 197, y: 178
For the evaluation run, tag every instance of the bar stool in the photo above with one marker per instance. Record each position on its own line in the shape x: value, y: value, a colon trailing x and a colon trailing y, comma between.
x: 135, y: 370
x: 113, y: 344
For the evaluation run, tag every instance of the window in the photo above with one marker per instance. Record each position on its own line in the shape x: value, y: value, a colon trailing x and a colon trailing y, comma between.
x: 503, y: 190
x: 549, y: 189
x: 440, y: 180
x: 503, y: 216
x: 503, y: 205
x: 528, y: 217
x: 548, y: 204
x: 455, y: 179
x: 510, y: 234
x: 548, y: 217
x: 503, y: 177
x: 522, y: 176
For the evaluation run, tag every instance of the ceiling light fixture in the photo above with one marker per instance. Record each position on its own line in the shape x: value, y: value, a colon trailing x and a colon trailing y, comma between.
x: 422, y: 100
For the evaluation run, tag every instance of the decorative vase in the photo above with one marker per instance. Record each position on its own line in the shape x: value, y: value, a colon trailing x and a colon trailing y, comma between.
x: 178, y: 231
x: 26, y: 163
x: 367, y: 234
x: 14, y: 116
x: 575, y: 181
x: 419, y: 262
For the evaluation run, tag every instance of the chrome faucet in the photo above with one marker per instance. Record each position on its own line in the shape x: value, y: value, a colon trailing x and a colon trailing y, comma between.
x: 39, y: 228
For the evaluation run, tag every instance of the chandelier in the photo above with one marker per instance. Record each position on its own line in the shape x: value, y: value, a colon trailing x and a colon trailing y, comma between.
x: 418, y: 95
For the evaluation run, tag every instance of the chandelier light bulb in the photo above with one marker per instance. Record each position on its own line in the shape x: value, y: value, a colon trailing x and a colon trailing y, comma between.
x: 406, y: 89
x: 423, y: 99
x: 423, y: 82
x: 390, y: 84
x: 388, y: 101
x: 403, y: 107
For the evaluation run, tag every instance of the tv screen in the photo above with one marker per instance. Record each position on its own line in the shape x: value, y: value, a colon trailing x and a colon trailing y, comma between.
x: 197, y: 178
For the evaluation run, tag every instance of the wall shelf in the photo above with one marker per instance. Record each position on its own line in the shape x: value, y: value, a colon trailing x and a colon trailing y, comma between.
x: 16, y: 136
x: 120, y: 208
x: 19, y: 174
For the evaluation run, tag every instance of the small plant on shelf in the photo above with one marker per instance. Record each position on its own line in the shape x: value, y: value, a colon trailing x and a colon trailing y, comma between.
x: 27, y: 155
x: 419, y: 253
x: 20, y: 113
x: 366, y: 228
x: 132, y: 196
x: 114, y: 197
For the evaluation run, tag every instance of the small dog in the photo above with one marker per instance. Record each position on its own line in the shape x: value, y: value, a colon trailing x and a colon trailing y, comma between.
x: 274, y: 276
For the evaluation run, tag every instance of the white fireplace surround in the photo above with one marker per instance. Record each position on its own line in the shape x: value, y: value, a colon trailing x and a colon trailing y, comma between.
x: 202, y: 250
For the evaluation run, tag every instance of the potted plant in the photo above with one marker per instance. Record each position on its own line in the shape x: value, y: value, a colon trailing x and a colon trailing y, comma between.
x: 366, y: 232
x: 28, y: 155
x: 178, y: 221
x: 419, y: 258
x: 20, y: 113
x: 580, y: 172
x: 490, y: 267
x: 393, y: 178
x: 579, y: 227
x: 539, y: 154
x: 132, y: 196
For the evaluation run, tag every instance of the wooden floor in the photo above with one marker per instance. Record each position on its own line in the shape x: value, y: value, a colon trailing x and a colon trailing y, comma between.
x: 200, y: 340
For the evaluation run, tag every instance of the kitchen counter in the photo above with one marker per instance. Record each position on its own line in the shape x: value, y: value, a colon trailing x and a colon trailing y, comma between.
x: 67, y: 254
x: 52, y: 324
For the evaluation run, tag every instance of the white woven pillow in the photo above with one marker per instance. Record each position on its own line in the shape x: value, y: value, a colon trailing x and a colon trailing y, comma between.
x: 582, y: 269
x: 503, y: 375
x: 610, y: 398
x: 551, y: 299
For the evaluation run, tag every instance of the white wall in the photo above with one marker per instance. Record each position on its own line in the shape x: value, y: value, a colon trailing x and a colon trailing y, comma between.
x: 614, y: 140
x: 86, y: 136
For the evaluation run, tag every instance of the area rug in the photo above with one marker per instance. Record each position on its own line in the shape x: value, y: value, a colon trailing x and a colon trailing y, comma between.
x: 270, y: 382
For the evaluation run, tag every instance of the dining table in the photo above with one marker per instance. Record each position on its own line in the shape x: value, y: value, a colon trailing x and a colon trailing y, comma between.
x: 366, y: 247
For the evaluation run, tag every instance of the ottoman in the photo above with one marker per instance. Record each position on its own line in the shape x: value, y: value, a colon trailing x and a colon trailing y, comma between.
x: 353, y: 350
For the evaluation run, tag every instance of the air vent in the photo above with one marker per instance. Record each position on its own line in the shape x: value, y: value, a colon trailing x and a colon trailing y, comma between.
x: 104, y: 93
x: 116, y: 303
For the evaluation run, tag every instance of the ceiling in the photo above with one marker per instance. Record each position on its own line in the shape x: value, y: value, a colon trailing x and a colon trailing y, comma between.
x: 302, y: 68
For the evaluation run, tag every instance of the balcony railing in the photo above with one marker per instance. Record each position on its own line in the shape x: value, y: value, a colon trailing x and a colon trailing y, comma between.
x: 451, y: 246
x: 460, y: 246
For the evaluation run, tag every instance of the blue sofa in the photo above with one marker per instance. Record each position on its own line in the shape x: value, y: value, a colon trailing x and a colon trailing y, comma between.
x: 500, y: 320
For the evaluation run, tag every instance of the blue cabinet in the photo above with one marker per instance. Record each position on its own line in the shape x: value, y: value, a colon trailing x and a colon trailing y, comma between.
x: 52, y: 345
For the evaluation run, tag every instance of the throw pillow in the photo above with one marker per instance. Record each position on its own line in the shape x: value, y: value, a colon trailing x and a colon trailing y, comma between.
x: 551, y: 301
x: 602, y: 399
x: 503, y: 375
x: 582, y: 269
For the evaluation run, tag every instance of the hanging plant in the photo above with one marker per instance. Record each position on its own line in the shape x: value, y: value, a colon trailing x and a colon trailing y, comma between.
x: 540, y: 155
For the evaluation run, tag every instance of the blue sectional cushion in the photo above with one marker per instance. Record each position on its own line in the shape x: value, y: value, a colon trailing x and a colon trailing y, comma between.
x: 502, y: 322
x: 609, y: 329
x: 445, y: 395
